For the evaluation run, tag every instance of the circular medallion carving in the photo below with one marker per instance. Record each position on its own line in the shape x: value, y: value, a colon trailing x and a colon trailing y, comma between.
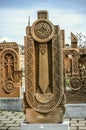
x: 84, y: 84
x: 42, y: 30
x: 9, y: 87
x: 75, y: 84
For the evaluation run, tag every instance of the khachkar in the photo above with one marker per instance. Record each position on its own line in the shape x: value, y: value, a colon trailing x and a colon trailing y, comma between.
x: 44, y: 90
x: 75, y: 72
x: 10, y: 74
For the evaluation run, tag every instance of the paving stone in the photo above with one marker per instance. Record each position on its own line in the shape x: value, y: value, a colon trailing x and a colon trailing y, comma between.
x: 14, y: 128
x: 73, y: 128
x: 82, y: 128
x: 7, y: 122
x: 67, y: 119
x: 3, y: 128
x: 19, y: 121
x: 77, y: 118
x: 73, y: 121
x: 4, y: 119
x: 78, y: 124
x: 12, y: 124
x: 1, y: 125
x: 84, y: 121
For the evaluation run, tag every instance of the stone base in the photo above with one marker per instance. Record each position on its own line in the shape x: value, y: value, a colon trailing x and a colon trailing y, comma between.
x: 75, y: 111
x: 34, y: 117
x: 11, y: 104
x: 62, y: 126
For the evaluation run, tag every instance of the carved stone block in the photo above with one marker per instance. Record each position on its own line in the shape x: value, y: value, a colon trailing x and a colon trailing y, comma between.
x: 10, y: 74
x: 74, y: 41
x: 44, y: 91
x: 75, y: 72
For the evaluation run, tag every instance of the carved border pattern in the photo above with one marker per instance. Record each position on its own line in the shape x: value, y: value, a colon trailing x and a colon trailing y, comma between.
x: 16, y: 65
x: 83, y: 88
x: 30, y: 70
x: 57, y: 75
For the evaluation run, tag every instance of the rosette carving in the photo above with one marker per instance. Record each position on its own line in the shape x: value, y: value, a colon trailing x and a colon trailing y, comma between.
x: 42, y: 30
x: 9, y: 87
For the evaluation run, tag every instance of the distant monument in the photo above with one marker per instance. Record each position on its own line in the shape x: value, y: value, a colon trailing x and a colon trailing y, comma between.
x: 75, y: 72
x: 10, y: 73
x: 74, y: 41
x: 44, y: 91
x: 63, y: 37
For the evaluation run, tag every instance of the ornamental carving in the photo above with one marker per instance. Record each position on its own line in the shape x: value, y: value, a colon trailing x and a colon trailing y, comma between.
x: 84, y: 85
x: 42, y: 30
x: 75, y: 72
x: 42, y: 48
x: 9, y: 66
x: 44, y: 96
x: 9, y: 86
x: 75, y: 84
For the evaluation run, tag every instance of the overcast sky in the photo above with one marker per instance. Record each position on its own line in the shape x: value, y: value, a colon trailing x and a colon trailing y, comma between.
x: 69, y: 14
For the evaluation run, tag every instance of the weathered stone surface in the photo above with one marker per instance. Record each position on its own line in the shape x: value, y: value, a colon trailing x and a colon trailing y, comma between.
x: 44, y: 94
x: 74, y: 41
x: 63, y: 37
x: 75, y: 72
x: 10, y: 74
x: 11, y: 104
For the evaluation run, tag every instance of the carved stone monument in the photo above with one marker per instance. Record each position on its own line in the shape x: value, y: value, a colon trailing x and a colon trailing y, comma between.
x: 10, y: 74
x: 44, y: 91
x: 73, y: 41
x: 63, y: 37
x: 75, y: 72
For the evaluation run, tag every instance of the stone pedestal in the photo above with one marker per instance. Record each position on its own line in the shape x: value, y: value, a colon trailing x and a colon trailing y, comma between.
x: 11, y: 104
x: 62, y: 126
x: 75, y: 111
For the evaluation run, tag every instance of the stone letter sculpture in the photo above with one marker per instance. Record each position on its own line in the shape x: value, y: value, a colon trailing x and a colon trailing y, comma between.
x: 44, y: 91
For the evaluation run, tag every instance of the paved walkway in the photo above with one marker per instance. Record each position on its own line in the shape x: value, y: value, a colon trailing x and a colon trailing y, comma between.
x: 10, y: 120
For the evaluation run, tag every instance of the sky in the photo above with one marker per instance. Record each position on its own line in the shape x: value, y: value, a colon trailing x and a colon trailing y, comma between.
x: 70, y: 15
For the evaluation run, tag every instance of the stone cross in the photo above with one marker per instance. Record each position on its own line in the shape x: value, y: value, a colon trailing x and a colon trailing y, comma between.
x: 44, y: 96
